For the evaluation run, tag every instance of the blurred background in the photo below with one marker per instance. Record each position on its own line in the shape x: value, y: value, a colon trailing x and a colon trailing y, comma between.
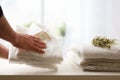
x: 50, y: 13
x: 72, y: 21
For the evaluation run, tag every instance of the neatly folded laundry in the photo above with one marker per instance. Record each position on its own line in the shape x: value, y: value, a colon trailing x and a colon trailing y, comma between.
x: 90, y: 58
x: 52, y: 56
x: 91, y: 52
x: 100, y: 65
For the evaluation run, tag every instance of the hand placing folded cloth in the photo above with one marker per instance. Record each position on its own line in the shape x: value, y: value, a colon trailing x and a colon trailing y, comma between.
x: 91, y: 58
x: 53, y: 52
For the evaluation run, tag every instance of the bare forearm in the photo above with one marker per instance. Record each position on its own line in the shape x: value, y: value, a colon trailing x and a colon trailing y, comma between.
x: 19, y: 40
x: 3, y: 52
x: 6, y: 32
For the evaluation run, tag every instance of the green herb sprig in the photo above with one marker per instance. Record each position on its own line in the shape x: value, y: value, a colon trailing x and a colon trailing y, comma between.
x: 103, y: 42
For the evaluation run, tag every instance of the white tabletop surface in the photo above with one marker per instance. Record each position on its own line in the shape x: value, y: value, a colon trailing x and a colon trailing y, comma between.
x: 66, y: 68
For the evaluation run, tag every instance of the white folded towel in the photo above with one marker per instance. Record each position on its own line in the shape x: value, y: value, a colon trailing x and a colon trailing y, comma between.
x: 52, y: 56
x: 92, y: 52
x: 100, y: 65
x: 90, y: 58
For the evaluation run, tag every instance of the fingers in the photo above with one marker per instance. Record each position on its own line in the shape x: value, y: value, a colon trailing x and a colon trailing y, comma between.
x: 39, y: 45
x: 38, y: 50
x: 32, y: 43
x: 37, y: 40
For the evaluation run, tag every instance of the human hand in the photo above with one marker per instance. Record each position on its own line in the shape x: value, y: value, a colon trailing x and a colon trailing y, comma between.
x: 29, y: 42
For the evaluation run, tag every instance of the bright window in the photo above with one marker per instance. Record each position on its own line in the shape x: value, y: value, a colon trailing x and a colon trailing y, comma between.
x: 50, y: 13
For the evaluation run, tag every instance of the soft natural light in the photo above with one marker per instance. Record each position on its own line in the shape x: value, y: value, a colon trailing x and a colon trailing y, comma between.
x: 54, y: 14
x: 50, y: 13
x: 21, y: 12
x: 74, y: 23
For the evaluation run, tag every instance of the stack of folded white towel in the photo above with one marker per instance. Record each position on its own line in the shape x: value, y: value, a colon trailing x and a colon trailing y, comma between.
x: 52, y: 56
x: 91, y: 58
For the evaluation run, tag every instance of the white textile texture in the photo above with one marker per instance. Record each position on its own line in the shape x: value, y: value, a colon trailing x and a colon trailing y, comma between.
x: 52, y: 56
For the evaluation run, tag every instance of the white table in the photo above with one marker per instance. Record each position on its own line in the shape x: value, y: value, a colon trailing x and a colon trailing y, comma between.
x: 66, y: 69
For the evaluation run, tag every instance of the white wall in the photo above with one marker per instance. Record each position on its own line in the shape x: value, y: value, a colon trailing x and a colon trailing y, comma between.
x: 89, y: 18
x: 116, y: 18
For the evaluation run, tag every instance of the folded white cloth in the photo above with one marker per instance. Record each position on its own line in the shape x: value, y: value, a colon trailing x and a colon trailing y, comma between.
x: 100, y: 65
x: 33, y: 59
x: 52, y: 56
x: 91, y: 58
x: 92, y: 52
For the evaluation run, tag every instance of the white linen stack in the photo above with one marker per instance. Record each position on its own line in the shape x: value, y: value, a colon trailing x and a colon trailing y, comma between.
x: 91, y: 58
x: 52, y: 56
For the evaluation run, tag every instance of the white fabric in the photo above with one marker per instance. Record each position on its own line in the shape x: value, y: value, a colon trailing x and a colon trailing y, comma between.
x: 52, y: 56
x: 91, y: 52
x: 90, y: 58
x: 100, y: 65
